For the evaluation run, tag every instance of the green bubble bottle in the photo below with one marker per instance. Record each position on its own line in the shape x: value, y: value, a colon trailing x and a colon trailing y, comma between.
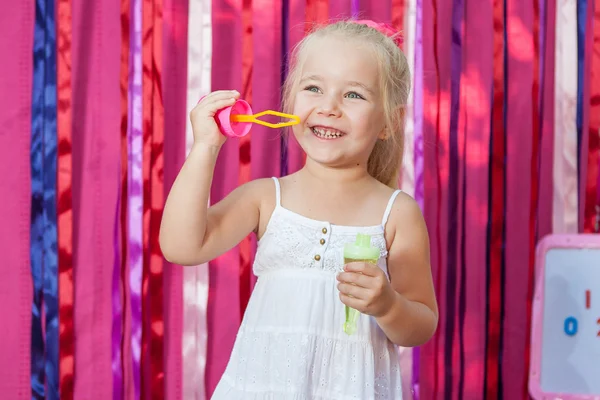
x: 359, y: 251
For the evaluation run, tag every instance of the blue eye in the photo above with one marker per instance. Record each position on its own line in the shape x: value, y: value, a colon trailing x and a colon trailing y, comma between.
x: 354, y: 95
x: 312, y: 88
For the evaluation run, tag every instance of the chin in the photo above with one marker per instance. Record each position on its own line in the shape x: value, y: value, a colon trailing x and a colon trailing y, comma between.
x: 325, y: 160
x: 332, y: 158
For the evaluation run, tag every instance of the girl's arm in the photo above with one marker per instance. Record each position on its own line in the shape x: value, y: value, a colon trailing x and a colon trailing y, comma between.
x: 190, y: 232
x: 412, y: 319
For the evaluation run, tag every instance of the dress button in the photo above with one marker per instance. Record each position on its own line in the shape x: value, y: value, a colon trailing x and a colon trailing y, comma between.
x: 322, y: 241
x: 324, y: 230
x: 317, y: 257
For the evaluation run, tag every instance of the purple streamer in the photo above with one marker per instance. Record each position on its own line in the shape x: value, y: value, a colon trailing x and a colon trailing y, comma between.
x: 285, y: 17
x: 135, y: 192
x: 354, y: 9
x: 418, y: 107
x: 117, y: 309
x: 418, y: 152
x: 453, y: 211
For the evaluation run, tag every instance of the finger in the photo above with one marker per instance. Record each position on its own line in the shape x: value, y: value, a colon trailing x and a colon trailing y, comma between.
x: 363, y: 268
x: 219, y: 104
x: 355, y: 278
x: 219, y: 95
x: 352, y: 302
x: 212, y: 108
x: 353, y: 291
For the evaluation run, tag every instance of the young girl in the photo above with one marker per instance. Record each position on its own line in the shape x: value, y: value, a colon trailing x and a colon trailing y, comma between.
x: 349, y: 84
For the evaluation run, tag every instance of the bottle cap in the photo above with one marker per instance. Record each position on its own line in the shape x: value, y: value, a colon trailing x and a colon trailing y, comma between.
x: 361, y: 249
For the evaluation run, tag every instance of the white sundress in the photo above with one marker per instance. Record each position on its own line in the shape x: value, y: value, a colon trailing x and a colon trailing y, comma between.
x: 290, y: 345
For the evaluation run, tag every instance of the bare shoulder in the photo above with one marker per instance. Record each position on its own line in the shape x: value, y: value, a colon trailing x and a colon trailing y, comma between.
x: 406, y: 219
x: 405, y: 206
x: 257, y: 187
x: 254, y: 190
x: 246, y: 197
x: 405, y: 211
x: 262, y: 192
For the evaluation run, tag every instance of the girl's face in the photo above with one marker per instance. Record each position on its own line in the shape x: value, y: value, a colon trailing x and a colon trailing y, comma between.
x: 339, y: 102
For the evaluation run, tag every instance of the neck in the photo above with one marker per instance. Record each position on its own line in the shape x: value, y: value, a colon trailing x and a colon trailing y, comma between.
x: 334, y: 177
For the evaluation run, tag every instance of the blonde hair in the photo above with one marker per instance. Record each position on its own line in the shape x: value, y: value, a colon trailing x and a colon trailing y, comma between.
x: 386, y: 158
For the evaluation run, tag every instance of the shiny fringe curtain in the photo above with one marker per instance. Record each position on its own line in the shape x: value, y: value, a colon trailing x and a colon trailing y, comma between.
x: 502, y: 148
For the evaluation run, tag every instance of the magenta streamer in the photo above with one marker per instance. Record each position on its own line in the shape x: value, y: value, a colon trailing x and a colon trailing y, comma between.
x: 418, y: 151
x: 117, y: 311
x: 135, y: 192
x: 598, y: 199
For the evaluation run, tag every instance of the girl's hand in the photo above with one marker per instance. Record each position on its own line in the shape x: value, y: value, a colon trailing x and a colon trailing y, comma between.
x: 202, y: 117
x: 364, y: 287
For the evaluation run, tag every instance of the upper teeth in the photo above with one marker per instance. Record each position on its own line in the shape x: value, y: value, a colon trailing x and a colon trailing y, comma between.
x: 326, y: 133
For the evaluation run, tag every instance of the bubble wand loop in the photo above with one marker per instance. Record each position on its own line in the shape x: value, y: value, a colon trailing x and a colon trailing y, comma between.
x: 293, y: 119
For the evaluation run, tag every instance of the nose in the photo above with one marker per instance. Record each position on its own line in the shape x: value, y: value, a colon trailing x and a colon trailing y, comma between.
x: 328, y: 106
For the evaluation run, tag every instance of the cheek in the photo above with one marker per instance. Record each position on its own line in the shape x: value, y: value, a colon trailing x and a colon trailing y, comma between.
x: 301, y: 106
x: 305, y: 100
x: 368, y: 121
x: 377, y: 121
x: 298, y: 130
x: 371, y: 126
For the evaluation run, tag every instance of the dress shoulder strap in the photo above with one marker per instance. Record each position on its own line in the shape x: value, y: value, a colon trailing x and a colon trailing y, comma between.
x: 388, y: 209
x: 277, y: 191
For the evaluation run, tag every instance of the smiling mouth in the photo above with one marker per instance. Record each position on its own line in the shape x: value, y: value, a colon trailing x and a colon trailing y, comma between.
x: 326, y: 133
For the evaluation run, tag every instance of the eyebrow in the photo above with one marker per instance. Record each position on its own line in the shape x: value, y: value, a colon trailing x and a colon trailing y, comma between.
x: 350, y: 83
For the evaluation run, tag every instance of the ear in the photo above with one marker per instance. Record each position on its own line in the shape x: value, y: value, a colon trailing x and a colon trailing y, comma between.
x: 384, y: 134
